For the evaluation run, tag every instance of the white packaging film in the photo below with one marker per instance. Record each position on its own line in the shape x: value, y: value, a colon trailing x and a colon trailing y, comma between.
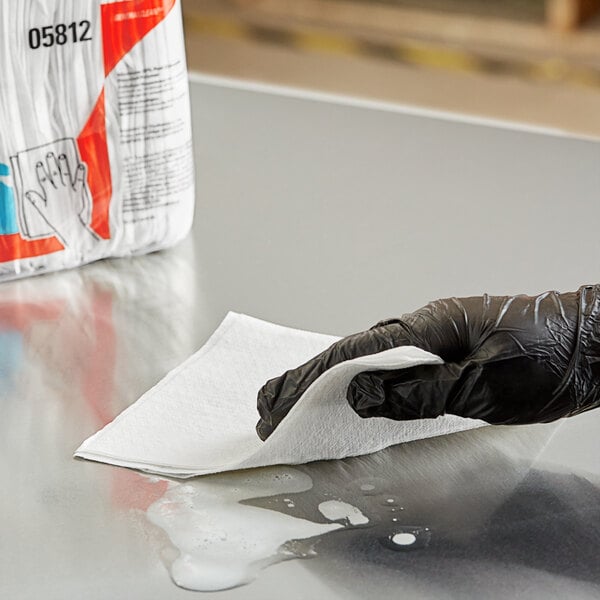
x: 201, y: 417
x: 95, y: 132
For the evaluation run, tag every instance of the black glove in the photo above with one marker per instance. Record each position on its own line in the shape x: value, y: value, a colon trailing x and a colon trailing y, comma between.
x: 508, y: 360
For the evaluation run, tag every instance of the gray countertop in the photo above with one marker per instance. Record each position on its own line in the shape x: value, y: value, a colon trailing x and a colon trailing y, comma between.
x: 325, y: 215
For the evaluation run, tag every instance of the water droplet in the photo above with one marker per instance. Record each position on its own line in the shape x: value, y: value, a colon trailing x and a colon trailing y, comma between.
x: 404, y: 539
x: 369, y: 486
x: 407, y: 537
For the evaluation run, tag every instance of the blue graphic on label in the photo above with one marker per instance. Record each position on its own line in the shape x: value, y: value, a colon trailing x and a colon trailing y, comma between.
x: 8, y: 215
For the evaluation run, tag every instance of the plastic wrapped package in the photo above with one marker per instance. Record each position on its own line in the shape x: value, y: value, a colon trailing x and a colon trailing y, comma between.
x: 95, y: 132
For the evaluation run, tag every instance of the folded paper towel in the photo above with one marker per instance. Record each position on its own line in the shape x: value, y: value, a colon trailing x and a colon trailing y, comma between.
x: 200, y: 418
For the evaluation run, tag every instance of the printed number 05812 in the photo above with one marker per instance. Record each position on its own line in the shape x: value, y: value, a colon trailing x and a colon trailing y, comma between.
x: 59, y: 34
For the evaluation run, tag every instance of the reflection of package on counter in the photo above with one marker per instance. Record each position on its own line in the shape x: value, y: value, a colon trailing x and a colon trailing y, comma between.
x: 95, y: 134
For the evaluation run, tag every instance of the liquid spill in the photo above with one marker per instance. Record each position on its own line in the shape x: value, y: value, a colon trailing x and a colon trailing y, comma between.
x: 224, y: 544
x: 336, y: 510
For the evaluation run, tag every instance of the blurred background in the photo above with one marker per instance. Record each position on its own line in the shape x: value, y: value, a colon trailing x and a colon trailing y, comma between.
x: 533, y: 61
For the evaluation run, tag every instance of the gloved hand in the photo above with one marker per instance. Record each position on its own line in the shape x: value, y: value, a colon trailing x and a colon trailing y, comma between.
x: 508, y: 360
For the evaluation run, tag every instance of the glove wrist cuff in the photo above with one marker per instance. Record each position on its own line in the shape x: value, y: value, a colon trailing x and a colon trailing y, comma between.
x: 582, y: 380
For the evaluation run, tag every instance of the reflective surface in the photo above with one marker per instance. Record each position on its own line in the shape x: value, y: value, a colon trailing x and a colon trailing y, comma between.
x: 327, y: 217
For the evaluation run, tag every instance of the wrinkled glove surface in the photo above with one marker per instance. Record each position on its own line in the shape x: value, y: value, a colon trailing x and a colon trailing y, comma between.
x: 507, y: 360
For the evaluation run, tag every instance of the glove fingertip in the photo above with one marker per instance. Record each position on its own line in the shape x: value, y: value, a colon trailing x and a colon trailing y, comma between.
x: 263, y: 429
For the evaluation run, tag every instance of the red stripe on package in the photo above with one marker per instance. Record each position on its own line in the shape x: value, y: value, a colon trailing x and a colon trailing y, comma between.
x: 94, y: 153
x: 124, y: 24
x: 13, y: 247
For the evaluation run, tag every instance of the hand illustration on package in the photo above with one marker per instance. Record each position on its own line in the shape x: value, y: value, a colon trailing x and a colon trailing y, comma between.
x: 52, y: 194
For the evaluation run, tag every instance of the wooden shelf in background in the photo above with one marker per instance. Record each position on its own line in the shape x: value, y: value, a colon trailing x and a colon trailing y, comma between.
x: 567, y: 15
